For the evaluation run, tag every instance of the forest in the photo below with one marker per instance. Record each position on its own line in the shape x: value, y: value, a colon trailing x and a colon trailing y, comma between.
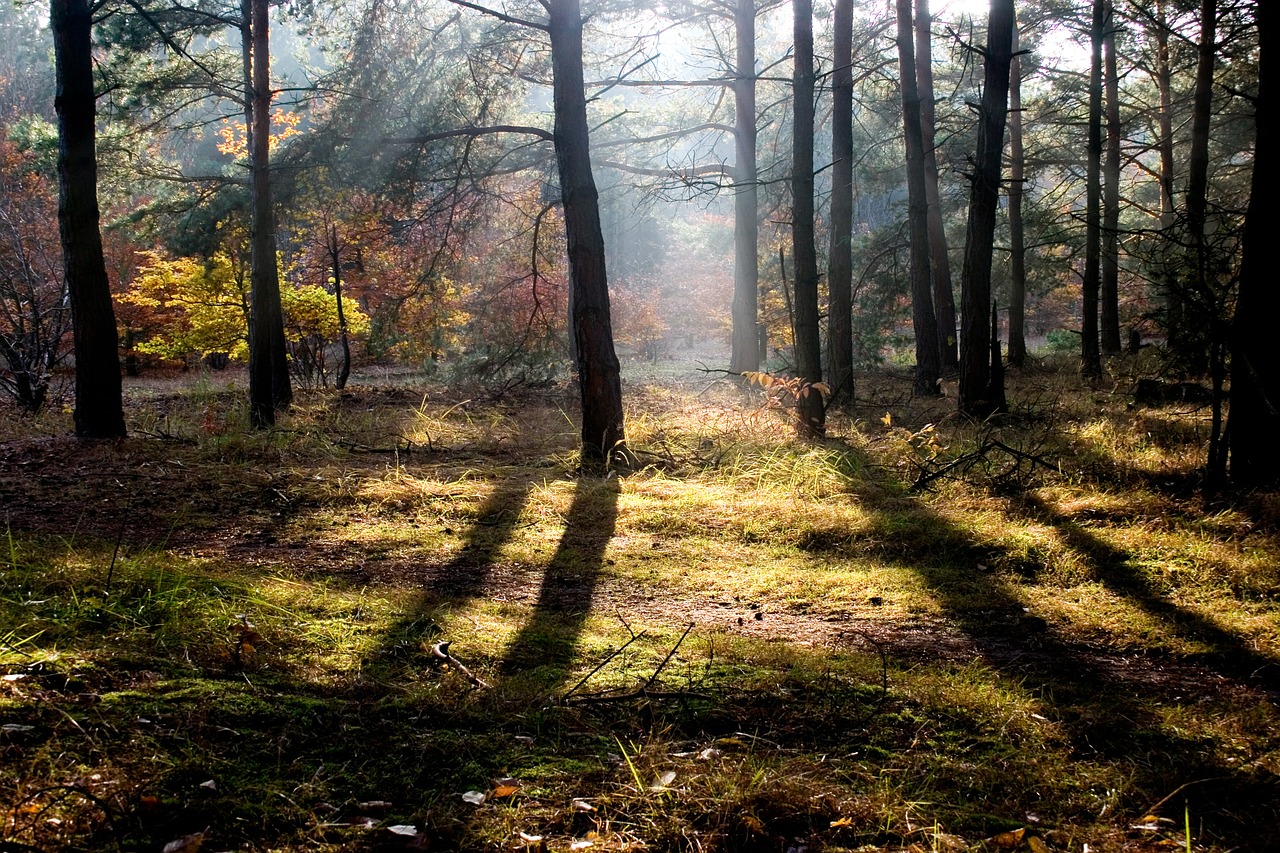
x: 674, y: 425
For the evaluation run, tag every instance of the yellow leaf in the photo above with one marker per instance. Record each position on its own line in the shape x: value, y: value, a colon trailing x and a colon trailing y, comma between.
x: 887, y: 420
x: 753, y: 823
x: 1008, y: 840
x: 844, y: 821
x: 504, y: 791
x: 1037, y: 845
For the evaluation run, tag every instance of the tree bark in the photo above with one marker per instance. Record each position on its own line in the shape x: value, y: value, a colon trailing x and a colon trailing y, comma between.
x: 1109, y: 296
x: 975, y: 287
x: 944, y: 300
x: 99, y: 409
x: 1174, y: 303
x: 335, y: 256
x: 599, y: 382
x: 1254, y: 421
x: 1017, y: 238
x: 746, y: 204
x: 1198, y: 157
x: 269, y: 386
x: 1090, y: 355
x: 923, y: 319
x: 840, y: 258
x: 809, y: 407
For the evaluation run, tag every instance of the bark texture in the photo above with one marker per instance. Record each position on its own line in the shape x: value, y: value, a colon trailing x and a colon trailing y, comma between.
x: 809, y: 407
x: 976, y: 394
x: 599, y: 383
x: 1090, y: 354
x: 269, y: 387
x: 840, y: 257
x: 1109, y: 295
x: 944, y: 300
x: 1017, y: 238
x: 923, y: 319
x: 746, y: 203
x: 99, y: 410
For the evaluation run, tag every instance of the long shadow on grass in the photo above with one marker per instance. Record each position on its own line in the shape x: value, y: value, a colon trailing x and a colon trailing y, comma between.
x: 465, y: 576
x: 1107, y: 714
x: 544, y: 646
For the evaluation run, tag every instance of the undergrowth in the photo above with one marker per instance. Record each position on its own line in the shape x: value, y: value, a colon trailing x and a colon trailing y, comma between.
x: 921, y: 633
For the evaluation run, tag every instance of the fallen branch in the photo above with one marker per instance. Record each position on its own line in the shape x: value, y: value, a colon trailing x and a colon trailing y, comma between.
x: 441, y: 651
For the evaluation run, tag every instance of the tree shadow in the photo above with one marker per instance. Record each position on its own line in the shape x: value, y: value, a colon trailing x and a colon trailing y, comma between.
x: 465, y: 576
x: 544, y: 646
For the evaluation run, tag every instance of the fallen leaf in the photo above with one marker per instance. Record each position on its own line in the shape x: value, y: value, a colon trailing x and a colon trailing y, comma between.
x: 581, y: 845
x: 404, y: 829
x: 582, y: 805
x: 664, y: 780
x: 504, y: 791
x: 844, y: 821
x: 474, y: 797
x: 209, y: 785
x: 186, y: 844
x: 753, y: 823
x: 524, y: 836
x: 709, y: 753
x: 1037, y: 845
x: 374, y: 805
x: 1008, y: 840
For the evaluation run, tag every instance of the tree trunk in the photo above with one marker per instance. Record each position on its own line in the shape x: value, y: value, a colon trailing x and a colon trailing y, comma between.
x: 923, y: 319
x: 840, y: 259
x: 99, y: 410
x: 1174, y: 303
x: 746, y: 205
x: 1017, y: 239
x: 809, y: 407
x: 1090, y: 355
x: 335, y: 255
x: 944, y: 300
x: 269, y: 386
x: 1110, y: 288
x: 599, y: 382
x: 1255, y: 369
x: 1198, y: 157
x: 975, y: 286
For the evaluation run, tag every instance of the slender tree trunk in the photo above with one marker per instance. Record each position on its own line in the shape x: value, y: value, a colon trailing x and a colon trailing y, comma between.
x: 746, y: 204
x: 599, y: 382
x: 1198, y: 158
x: 269, y: 386
x: 923, y: 319
x: 1110, y: 287
x: 1255, y: 368
x: 335, y: 255
x: 1090, y: 355
x: 1174, y: 303
x: 809, y: 408
x: 975, y: 286
x: 99, y: 410
x: 944, y: 300
x: 1017, y: 238
x: 840, y: 259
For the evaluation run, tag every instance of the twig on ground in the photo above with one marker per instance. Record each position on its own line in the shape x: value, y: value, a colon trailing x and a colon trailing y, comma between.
x: 613, y: 654
x: 441, y: 651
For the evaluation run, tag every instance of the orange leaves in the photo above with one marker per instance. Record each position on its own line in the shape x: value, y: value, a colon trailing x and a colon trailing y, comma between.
x: 284, y: 125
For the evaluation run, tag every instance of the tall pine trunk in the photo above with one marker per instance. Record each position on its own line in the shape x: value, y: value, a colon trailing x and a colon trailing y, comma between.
x: 99, y: 410
x: 269, y: 386
x: 335, y: 257
x: 810, y: 410
x: 1255, y: 368
x: 746, y: 204
x: 840, y: 262
x: 944, y: 300
x: 1175, y: 310
x: 599, y: 382
x: 1198, y: 157
x: 1017, y: 238
x: 1090, y: 355
x: 923, y: 319
x: 977, y: 396
x: 1109, y: 296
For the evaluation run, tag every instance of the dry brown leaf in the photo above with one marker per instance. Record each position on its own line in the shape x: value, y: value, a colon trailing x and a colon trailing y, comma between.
x: 844, y: 821
x: 1008, y: 840
x: 1037, y: 845
x: 503, y: 791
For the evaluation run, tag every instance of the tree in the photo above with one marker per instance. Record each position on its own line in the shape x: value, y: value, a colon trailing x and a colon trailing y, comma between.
x: 746, y: 196
x: 1255, y: 371
x: 1017, y: 230
x: 840, y: 257
x: 923, y: 318
x: 978, y: 395
x: 99, y: 407
x: 599, y: 381
x: 810, y: 411
x: 944, y: 301
x: 1109, y: 287
x: 269, y: 386
x: 1090, y: 354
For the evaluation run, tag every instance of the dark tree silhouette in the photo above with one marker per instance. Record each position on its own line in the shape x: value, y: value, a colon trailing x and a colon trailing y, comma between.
x: 840, y: 259
x: 809, y: 407
x: 746, y: 196
x: 99, y: 410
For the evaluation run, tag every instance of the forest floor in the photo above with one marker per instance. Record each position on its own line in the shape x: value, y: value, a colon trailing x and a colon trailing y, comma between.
x: 919, y: 633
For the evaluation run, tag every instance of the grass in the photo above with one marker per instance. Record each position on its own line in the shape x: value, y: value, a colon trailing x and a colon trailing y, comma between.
x: 209, y: 631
